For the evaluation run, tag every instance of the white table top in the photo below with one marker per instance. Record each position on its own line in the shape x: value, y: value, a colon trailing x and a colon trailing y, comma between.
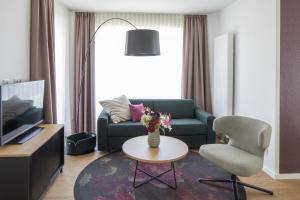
x: 169, y: 150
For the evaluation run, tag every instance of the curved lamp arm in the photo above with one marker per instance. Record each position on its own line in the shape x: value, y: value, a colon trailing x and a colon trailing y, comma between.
x: 84, y: 61
x: 108, y: 21
x: 143, y: 42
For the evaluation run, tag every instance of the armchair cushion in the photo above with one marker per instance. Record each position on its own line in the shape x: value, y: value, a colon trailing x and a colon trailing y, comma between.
x: 249, y: 134
x: 232, y: 159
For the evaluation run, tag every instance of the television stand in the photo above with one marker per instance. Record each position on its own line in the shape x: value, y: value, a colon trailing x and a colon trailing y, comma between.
x: 26, y: 170
x: 21, y: 139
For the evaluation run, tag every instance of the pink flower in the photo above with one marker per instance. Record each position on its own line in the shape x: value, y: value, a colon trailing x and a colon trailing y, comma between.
x: 166, y: 122
x: 156, y: 120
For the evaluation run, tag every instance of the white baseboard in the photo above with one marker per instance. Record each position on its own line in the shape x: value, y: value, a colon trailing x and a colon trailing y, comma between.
x: 269, y: 172
x: 274, y: 175
x: 288, y: 176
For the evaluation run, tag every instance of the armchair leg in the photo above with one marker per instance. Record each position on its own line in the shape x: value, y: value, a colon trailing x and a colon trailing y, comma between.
x: 235, y: 183
x: 214, y: 180
x: 234, y: 186
x: 255, y: 187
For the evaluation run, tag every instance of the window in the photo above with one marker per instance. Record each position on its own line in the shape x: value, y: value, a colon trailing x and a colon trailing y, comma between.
x: 138, y: 77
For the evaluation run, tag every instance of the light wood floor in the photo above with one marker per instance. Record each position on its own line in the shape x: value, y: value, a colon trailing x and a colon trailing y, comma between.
x: 62, y: 188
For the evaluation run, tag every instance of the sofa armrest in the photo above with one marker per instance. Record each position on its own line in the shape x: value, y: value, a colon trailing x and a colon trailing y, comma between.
x: 208, y: 119
x: 102, y: 124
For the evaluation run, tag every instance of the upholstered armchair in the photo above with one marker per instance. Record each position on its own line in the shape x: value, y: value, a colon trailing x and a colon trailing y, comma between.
x: 244, y: 154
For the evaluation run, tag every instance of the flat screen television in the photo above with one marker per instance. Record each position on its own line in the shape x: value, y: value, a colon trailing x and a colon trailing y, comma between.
x: 21, y: 109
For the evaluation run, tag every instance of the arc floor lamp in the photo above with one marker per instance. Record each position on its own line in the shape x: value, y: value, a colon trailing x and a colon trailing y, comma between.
x: 139, y: 42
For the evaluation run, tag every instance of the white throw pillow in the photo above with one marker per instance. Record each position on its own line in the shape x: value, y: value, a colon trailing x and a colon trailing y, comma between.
x: 117, y: 108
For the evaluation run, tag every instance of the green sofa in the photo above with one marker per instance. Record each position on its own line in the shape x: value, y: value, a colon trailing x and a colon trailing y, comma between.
x: 189, y: 124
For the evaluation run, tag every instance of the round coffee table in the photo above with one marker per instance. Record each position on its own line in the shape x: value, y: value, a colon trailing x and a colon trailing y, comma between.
x: 169, y: 151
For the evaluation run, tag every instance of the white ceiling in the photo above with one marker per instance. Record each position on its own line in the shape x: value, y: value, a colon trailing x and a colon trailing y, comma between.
x: 148, y: 6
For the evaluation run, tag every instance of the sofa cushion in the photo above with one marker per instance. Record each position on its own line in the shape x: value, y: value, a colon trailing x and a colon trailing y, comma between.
x: 178, y: 108
x: 185, y: 127
x: 117, y: 108
x: 136, y: 111
x: 126, y: 129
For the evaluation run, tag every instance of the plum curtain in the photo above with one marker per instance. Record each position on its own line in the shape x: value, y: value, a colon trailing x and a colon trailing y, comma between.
x: 84, y: 100
x: 42, y: 58
x: 195, y: 72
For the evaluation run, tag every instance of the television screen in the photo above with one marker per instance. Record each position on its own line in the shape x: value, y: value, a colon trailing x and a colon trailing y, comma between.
x: 21, y: 108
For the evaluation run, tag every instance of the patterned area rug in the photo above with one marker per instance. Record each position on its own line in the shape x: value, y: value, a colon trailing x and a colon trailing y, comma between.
x: 110, y: 178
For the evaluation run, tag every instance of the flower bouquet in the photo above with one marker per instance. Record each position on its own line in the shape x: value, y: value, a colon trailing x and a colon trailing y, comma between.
x: 156, y: 123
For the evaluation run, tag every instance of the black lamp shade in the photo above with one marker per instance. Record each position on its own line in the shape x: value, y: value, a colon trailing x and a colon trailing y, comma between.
x: 142, y: 42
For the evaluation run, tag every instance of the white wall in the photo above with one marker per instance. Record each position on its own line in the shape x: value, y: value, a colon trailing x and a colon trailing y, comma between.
x: 253, y: 23
x: 213, y: 30
x: 223, y: 75
x: 14, y: 39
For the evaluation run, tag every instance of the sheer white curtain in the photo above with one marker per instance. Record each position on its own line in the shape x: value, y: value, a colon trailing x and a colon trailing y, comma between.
x: 138, y: 77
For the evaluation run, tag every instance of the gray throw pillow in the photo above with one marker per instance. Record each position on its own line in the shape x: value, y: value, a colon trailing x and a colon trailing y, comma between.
x: 117, y: 108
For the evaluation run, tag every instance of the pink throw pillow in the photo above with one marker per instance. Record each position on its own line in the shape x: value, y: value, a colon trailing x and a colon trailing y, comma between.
x: 136, y: 111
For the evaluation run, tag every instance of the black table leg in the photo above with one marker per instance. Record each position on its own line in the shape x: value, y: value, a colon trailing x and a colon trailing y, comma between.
x: 154, y: 177
x: 136, y: 168
x: 173, y: 168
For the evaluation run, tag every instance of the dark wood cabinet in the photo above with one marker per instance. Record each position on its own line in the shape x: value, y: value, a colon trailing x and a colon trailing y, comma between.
x: 27, y: 170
